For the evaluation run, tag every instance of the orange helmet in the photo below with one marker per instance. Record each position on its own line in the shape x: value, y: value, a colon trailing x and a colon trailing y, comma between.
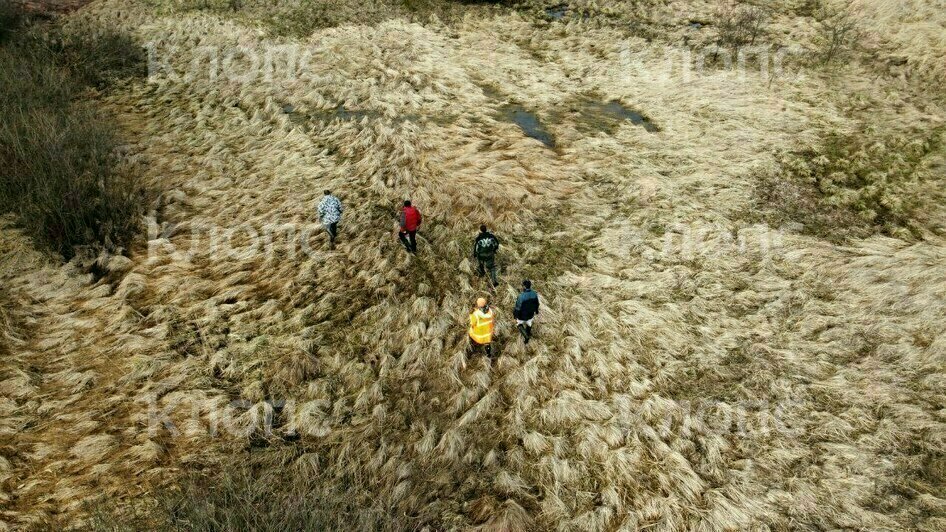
x: 481, y: 302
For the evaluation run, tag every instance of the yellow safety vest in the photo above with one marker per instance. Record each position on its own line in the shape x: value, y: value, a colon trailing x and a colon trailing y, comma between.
x: 481, y: 326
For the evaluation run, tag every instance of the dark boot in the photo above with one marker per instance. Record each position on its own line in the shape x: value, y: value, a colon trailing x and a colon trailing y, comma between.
x: 404, y: 241
x: 332, y: 233
x: 528, y: 333
x: 523, y: 330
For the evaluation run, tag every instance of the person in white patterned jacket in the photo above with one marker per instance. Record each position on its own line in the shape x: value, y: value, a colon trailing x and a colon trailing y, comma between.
x: 330, y: 213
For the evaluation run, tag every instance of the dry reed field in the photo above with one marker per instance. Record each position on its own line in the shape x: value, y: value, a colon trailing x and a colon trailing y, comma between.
x: 714, y: 352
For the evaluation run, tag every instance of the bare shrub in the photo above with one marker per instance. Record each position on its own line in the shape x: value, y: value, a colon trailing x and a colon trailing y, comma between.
x: 739, y: 25
x: 838, y: 30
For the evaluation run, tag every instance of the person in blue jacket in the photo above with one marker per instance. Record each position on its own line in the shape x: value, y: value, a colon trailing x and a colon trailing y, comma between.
x: 527, y: 308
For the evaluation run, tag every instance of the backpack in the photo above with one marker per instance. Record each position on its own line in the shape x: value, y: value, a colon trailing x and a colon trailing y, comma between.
x: 411, y: 218
x: 487, y: 246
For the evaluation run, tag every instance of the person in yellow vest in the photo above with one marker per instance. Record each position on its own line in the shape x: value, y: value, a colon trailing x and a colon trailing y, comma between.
x: 481, y: 326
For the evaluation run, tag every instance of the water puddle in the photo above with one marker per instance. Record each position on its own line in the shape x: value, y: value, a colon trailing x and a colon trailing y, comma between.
x: 557, y: 12
x: 590, y: 115
x: 527, y: 121
x: 615, y: 111
x: 586, y: 113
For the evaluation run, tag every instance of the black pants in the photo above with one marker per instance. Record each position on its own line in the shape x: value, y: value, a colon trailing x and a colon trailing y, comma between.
x: 474, y: 347
x: 525, y: 331
x: 332, y: 229
x: 409, y: 239
x: 488, y: 263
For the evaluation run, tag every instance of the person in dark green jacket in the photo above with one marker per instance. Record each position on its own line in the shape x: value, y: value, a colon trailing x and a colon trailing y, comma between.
x: 484, y: 251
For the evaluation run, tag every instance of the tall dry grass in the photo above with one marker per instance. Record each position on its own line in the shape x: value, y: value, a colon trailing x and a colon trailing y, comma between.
x: 249, y: 497
x: 911, y: 38
x: 854, y: 185
x: 61, y: 176
x: 620, y: 414
x: 301, y: 19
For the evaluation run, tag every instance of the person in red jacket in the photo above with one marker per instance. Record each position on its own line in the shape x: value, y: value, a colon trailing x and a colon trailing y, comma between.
x: 410, y: 221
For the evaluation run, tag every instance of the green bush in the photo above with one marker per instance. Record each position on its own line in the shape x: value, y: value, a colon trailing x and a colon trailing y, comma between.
x: 60, y: 176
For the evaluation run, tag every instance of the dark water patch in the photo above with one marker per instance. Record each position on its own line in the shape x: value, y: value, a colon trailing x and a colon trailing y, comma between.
x: 527, y: 121
x: 557, y: 12
x: 589, y: 115
x: 617, y: 111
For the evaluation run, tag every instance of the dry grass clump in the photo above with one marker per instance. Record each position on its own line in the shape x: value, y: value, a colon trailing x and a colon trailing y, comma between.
x: 9, y: 322
x: 100, y: 58
x: 641, y: 18
x: 301, y: 19
x: 854, y: 185
x: 911, y: 36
